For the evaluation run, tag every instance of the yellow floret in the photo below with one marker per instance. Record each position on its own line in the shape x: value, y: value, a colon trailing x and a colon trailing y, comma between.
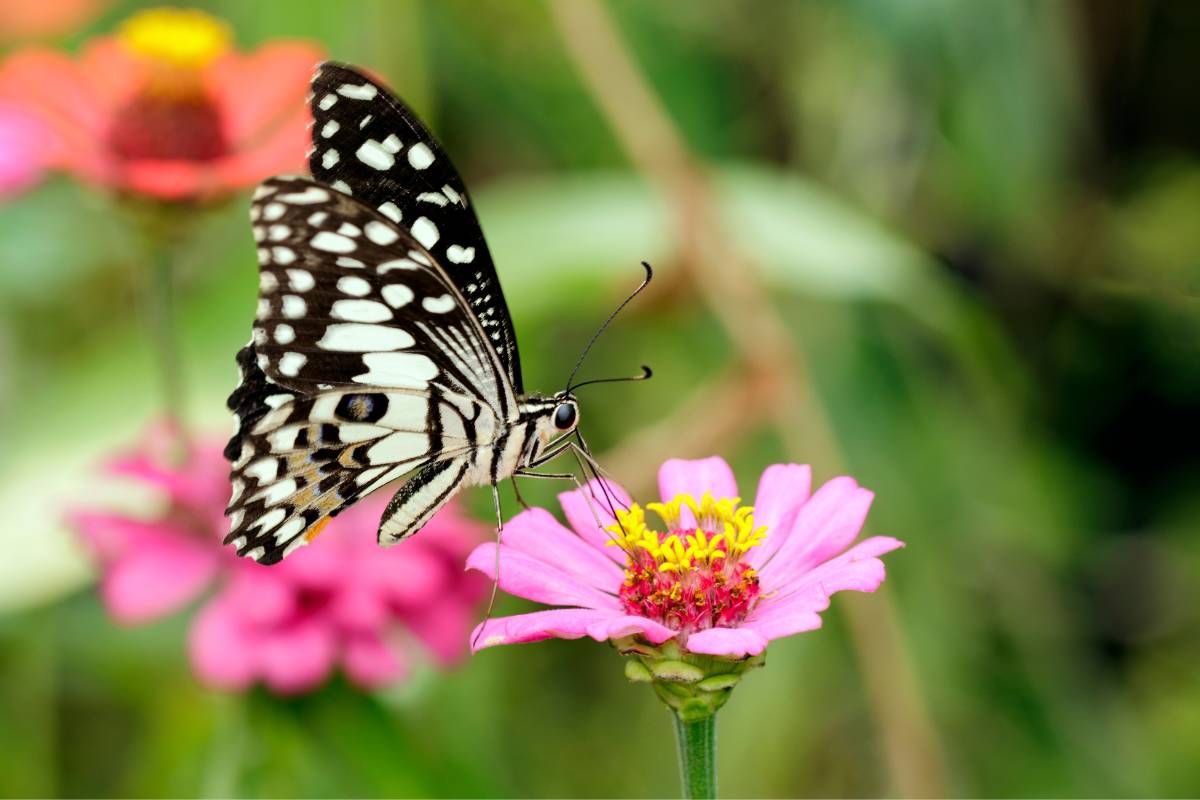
x: 177, y: 37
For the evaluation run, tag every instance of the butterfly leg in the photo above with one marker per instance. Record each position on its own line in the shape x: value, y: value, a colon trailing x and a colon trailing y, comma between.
x: 517, y: 491
x: 496, y: 583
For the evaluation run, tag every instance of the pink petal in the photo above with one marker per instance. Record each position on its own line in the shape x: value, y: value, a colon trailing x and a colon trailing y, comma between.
x: 796, y: 607
x: 23, y: 150
x: 732, y: 642
x: 370, y: 663
x: 298, y: 657
x: 566, y: 623
x: 534, y: 579
x: 260, y: 595
x: 111, y: 535
x: 824, y: 527
x: 408, y: 574
x: 220, y: 647
x: 156, y: 579
x: 443, y: 627
x: 695, y: 477
x: 357, y: 606
x: 782, y: 490
x: 281, y: 151
x: 255, y: 90
x: 539, y: 535
x: 583, y: 506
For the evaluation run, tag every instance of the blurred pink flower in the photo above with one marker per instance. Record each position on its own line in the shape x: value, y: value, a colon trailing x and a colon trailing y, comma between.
x: 166, y: 108
x: 723, y: 580
x: 341, y: 600
x: 22, y: 150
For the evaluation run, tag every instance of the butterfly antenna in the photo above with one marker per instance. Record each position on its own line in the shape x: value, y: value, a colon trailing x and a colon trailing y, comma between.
x: 645, y: 282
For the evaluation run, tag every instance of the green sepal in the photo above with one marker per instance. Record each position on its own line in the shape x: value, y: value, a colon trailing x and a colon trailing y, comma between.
x: 694, y: 686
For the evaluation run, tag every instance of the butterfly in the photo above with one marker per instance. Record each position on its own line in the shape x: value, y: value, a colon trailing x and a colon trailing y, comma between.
x: 382, y: 345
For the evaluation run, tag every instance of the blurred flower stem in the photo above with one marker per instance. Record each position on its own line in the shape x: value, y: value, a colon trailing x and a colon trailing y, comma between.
x: 697, y: 748
x: 770, y: 363
x: 163, y: 229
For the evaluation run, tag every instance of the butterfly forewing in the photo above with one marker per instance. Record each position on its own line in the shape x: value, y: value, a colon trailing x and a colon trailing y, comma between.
x: 367, y: 143
x: 366, y: 364
x: 349, y: 298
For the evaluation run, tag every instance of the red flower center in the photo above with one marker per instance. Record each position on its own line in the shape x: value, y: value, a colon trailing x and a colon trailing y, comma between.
x: 692, y: 578
x: 161, y: 126
x: 714, y: 594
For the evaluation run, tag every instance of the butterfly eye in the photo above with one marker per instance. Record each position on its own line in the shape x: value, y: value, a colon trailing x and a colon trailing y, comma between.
x: 564, y: 416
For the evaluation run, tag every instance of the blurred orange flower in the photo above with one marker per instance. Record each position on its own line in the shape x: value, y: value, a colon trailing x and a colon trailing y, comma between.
x: 22, y: 19
x: 167, y: 108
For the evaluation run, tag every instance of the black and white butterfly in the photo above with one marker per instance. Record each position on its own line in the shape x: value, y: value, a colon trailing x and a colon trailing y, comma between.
x: 382, y: 344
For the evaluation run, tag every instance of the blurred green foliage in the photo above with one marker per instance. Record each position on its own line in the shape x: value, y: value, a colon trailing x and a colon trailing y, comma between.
x: 980, y: 222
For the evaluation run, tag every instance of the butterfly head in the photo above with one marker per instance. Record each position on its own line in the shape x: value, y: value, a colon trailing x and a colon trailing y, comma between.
x: 566, y: 412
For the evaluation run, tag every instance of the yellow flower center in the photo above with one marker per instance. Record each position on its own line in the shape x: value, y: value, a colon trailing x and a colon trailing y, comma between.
x: 723, y: 531
x: 181, y: 38
x: 691, y: 578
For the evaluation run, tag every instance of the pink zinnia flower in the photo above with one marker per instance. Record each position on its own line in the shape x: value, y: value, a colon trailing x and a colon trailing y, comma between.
x: 340, y: 601
x: 167, y: 108
x: 716, y: 578
x: 22, y: 150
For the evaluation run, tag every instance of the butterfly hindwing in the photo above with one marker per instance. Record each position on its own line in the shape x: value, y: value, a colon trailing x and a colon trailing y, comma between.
x: 367, y: 143
x: 299, y: 460
x: 348, y: 299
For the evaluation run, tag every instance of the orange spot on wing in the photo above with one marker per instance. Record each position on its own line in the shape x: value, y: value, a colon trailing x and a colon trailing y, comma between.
x: 316, y: 529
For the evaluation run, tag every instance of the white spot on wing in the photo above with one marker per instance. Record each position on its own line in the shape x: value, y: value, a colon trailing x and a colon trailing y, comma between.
x: 329, y: 158
x: 353, y: 285
x: 399, y: 446
x: 277, y: 493
x: 438, y: 305
x: 284, y: 333
x: 437, y: 198
x: 373, y: 155
x: 397, y: 295
x: 360, y: 311
x: 397, y: 369
x: 420, y: 156
x: 390, y: 210
x: 364, y: 92
x: 396, y: 263
x: 291, y: 363
x: 424, y: 232
x: 330, y: 128
x: 379, y: 233
x: 293, y: 306
x: 327, y: 102
x: 356, y: 337
x: 460, y: 255
x: 300, y: 280
x: 313, y: 194
x: 264, y: 470
x: 332, y: 242
x: 283, y: 255
x: 273, y: 211
x: 289, y: 529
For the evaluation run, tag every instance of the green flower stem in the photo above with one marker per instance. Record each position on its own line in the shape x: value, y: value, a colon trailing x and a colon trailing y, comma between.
x: 163, y: 232
x: 162, y: 312
x: 696, y: 743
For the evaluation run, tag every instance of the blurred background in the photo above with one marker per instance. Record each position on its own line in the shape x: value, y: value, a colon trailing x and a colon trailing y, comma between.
x: 951, y: 249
